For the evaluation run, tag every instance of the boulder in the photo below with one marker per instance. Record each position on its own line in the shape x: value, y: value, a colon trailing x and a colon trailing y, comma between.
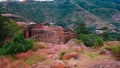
x: 58, y: 64
x: 76, y: 48
x: 84, y: 48
x: 112, y: 43
x: 70, y: 55
x: 105, y: 52
x: 73, y: 42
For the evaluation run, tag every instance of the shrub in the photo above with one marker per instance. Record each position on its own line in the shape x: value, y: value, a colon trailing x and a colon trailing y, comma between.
x: 105, y: 36
x: 99, y: 41
x: 104, y: 28
x: 34, y: 59
x: 115, y: 50
x: 77, y: 41
x: 90, y: 40
x: 38, y: 46
x: 61, y: 55
x: 16, y: 45
x: 81, y: 28
x: 7, y: 29
x: 92, y: 55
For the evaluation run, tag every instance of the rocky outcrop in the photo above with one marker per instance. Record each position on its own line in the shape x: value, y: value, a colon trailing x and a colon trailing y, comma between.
x: 9, y: 63
x: 109, y: 44
x: 70, y: 55
x: 52, y: 51
x: 23, y: 55
x: 58, y: 64
x: 73, y: 42
x: 49, y: 34
x: 112, y: 64
x: 112, y: 43
x: 77, y: 45
x: 19, y: 64
x: 105, y: 52
x: 4, y: 62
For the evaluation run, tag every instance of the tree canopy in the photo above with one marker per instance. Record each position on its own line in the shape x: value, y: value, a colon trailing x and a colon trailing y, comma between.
x: 81, y: 28
x: 16, y: 45
x: 7, y: 29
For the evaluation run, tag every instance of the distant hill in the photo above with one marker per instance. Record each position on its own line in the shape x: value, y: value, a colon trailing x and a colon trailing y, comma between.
x: 65, y: 12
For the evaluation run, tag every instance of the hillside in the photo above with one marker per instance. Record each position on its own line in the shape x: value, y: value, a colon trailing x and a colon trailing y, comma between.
x: 63, y: 13
x: 47, y: 55
x: 36, y: 35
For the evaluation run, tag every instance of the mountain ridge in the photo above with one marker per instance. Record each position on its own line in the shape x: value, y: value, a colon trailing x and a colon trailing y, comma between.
x: 67, y: 12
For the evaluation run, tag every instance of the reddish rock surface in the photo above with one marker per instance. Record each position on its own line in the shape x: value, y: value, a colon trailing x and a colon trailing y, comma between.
x: 48, y: 34
x: 24, y: 55
x: 70, y: 55
x: 83, y: 48
x: 51, y: 53
x: 112, y: 43
x: 4, y: 62
x: 40, y: 65
x: 105, y: 52
x: 7, y: 63
x: 19, y: 64
x: 76, y: 46
x: 58, y: 64
x: 112, y: 64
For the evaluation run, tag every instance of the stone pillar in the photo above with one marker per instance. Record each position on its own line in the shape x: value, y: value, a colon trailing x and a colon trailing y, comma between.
x: 26, y: 33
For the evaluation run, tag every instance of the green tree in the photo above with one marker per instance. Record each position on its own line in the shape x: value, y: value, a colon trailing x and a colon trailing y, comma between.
x: 90, y: 40
x: 118, y: 38
x: 105, y: 36
x: 16, y: 45
x: 104, y: 28
x: 7, y: 29
x: 81, y: 28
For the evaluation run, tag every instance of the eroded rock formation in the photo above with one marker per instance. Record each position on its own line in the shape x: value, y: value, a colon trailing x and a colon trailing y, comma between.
x: 49, y: 34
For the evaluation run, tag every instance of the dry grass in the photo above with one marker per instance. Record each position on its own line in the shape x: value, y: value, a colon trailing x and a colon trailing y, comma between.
x: 92, y: 55
x: 34, y: 59
x: 23, y: 56
x: 38, y: 45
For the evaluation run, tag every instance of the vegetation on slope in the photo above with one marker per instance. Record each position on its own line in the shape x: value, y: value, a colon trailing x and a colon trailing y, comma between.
x: 12, y: 40
x: 115, y: 50
x: 93, y: 12
x: 102, y: 8
x: 16, y: 45
x: 7, y: 29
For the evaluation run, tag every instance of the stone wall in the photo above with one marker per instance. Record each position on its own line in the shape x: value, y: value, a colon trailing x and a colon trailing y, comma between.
x: 49, y: 34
